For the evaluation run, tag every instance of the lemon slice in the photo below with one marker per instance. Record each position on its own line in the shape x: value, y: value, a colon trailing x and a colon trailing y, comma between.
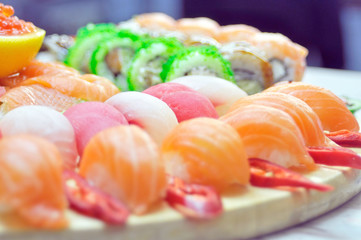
x: 17, y: 51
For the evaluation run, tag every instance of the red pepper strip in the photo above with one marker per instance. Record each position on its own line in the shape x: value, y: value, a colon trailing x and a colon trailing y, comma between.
x: 346, y: 138
x: 268, y: 174
x: 193, y: 200
x: 89, y: 201
x: 335, y: 156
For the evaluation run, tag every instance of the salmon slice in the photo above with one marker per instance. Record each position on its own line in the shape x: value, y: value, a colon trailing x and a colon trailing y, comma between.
x: 66, y: 80
x: 270, y: 134
x: 331, y: 110
x: 206, y: 151
x: 35, y: 69
x: 124, y: 162
x: 31, y: 187
x: 35, y: 95
x: 303, y: 115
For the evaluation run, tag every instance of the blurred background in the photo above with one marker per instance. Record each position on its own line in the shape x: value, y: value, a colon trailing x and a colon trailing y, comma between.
x: 330, y: 29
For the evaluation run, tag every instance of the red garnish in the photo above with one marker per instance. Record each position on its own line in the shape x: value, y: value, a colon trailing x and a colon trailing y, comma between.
x: 11, y: 25
x: 267, y: 174
x: 89, y: 201
x: 335, y: 156
x: 193, y: 200
x: 346, y: 138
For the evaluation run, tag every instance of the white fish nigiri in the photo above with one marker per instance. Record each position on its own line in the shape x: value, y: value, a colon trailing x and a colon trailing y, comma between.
x: 44, y: 122
x: 146, y: 111
x: 220, y: 92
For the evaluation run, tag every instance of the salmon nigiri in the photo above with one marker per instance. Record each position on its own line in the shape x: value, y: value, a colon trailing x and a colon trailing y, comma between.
x: 65, y: 80
x: 305, y: 118
x: 35, y: 95
x: 206, y: 151
x: 331, y: 110
x: 270, y: 134
x: 31, y: 186
x: 124, y: 162
x: 43, y: 122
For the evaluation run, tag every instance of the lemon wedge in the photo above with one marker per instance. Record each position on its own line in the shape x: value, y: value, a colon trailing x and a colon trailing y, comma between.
x: 16, y: 51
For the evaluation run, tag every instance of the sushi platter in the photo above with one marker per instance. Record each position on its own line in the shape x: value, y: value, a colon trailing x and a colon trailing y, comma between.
x: 156, y: 128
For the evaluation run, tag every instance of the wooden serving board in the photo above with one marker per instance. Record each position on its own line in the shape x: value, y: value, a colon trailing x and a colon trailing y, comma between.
x: 249, y: 212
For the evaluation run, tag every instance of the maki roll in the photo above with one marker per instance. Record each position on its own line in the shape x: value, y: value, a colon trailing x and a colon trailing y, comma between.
x: 112, y: 56
x: 147, y: 63
x: 288, y: 59
x: 203, y: 60
x: 87, y: 38
x: 252, y: 71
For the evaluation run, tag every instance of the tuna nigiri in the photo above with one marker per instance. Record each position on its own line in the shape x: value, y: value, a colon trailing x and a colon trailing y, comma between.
x: 31, y: 186
x: 89, y: 118
x: 331, y: 110
x: 185, y: 102
x: 147, y: 112
x: 270, y: 134
x: 124, y: 162
x: 43, y: 122
x: 206, y: 151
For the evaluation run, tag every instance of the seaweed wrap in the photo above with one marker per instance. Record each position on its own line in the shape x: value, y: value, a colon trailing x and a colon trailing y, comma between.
x: 252, y: 70
x: 87, y: 39
x: 112, y: 56
x: 203, y: 60
x: 148, y: 61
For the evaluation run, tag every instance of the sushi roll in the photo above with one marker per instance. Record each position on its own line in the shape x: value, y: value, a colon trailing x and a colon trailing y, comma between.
x: 235, y: 33
x: 146, y: 66
x: 288, y: 59
x: 252, y: 71
x: 204, y: 60
x: 87, y: 38
x: 112, y: 56
x: 198, y: 26
x: 155, y: 21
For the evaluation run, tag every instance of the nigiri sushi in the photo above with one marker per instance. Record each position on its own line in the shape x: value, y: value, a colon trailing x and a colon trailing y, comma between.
x: 220, y: 92
x: 89, y: 118
x: 305, y: 118
x: 270, y: 134
x: 124, y: 162
x: 31, y: 185
x: 35, y: 95
x: 331, y: 110
x: 145, y: 111
x: 186, y: 104
x: 65, y: 80
x: 206, y: 151
x: 43, y: 122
